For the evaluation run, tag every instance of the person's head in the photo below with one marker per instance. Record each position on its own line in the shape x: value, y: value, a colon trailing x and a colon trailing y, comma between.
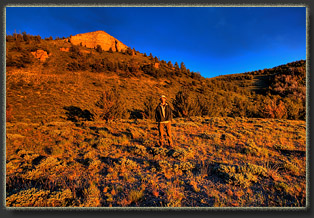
x: 163, y: 99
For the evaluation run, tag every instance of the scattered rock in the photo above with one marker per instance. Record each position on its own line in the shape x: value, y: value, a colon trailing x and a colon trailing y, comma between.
x: 65, y: 49
x: 40, y: 54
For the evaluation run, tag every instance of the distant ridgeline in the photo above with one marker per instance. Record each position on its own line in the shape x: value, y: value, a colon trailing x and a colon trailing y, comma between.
x: 96, y: 68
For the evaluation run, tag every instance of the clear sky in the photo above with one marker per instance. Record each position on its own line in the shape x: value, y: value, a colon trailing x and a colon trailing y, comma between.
x: 210, y: 40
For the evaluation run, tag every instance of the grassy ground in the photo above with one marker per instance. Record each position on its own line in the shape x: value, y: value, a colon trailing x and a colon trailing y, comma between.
x: 216, y: 162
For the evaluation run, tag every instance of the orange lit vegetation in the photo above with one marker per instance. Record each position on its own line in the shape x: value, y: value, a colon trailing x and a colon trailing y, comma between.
x: 217, y: 162
x: 77, y: 133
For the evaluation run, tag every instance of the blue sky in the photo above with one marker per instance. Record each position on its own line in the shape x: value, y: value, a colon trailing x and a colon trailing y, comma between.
x: 210, y: 40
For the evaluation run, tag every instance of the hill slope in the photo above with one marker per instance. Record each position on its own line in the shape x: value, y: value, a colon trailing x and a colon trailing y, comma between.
x: 60, y: 153
x: 44, y: 77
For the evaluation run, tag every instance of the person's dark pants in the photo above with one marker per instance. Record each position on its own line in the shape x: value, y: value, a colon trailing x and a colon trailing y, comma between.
x: 161, y: 127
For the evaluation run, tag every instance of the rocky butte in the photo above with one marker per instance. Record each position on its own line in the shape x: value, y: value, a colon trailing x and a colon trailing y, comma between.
x: 92, y: 39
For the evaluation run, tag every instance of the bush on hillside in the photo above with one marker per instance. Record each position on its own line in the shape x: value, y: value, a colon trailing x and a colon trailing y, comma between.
x: 185, y: 105
x: 24, y: 37
x: 250, y: 94
x: 73, y: 66
x: 99, y: 49
x: 74, y: 52
x: 9, y: 115
x: 244, y: 107
x: 112, y: 105
x: 149, y: 69
x: 12, y: 61
x: 21, y: 61
x: 149, y: 107
x: 274, y: 108
x: 295, y: 109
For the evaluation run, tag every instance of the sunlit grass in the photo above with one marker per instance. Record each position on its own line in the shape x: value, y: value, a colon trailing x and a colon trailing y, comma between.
x: 216, y: 162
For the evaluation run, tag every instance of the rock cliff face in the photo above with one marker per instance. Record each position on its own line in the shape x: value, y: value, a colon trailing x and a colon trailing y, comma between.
x: 92, y: 39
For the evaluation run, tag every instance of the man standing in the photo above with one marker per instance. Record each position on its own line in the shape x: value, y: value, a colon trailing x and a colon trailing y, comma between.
x: 163, y: 115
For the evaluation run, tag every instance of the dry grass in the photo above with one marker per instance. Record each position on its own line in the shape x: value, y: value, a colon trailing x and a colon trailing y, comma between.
x: 38, y: 96
x: 217, y: 162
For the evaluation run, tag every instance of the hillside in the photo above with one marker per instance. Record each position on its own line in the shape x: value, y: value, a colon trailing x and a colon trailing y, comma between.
x: 79, y: 131
x: 45, y: 76
x: 77, y: 76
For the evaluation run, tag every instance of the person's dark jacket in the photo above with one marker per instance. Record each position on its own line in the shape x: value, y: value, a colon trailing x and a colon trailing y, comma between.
x: 159, y: 116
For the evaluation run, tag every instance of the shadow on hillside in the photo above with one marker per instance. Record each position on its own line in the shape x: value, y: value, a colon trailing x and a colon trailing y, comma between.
x: 136, y: 114
x: 100, y: 128
x: 109, y: 160
x: 261, y: 85
x: 296, y: 153
x: 76, y: 114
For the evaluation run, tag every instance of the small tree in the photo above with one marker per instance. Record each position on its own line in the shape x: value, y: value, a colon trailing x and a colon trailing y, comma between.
x: 133, y: 66
x: 149, y: 107
x: 176, y: 66
x: 26, y: 59
x: 75, y: 52
x: 134, y: 52
x: 11, y: 61
x: 183, y: 68
x: 274, y: 108
x: 129, y: 51
x: 99, y: 49
x: 176, y: 69
x: 185, y: 106
x: 111, y: 105
x: 170, y: 65
x: 37, y: 38
x: 26, y: 37
x: 294, y: 108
